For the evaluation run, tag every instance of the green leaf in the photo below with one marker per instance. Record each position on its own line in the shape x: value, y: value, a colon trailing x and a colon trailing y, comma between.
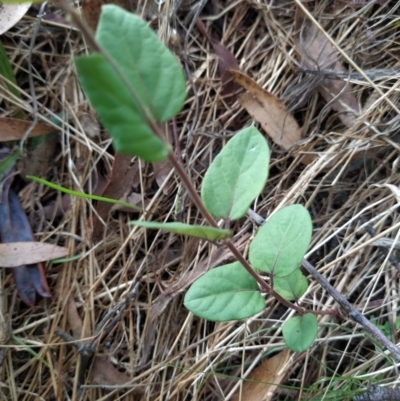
x: 292, y: 286
x: 7, y: 164
x: 206, y: 232
x: 117, y: 110
x: 24, y: 345
x: 138, y: 84
x: 299, y: 332
x: 281, y: 243
x: 83, y: 195
x: 225, y: 293
x: 149, y: 66
x: 237, y: 175
x: 7, y: 72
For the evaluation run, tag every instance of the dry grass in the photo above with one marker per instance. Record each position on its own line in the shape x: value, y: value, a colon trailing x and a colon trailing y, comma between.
x: 167, y: 353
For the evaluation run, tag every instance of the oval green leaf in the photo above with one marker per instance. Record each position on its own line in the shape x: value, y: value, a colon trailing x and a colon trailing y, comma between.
x: 281, y: 243
x: 292, y: 286
x: 151, y: 69
x: 237, y: 175
x: 299, y: 332
x: 118, y: 112
x: 225, y: 293
x: 205, y: 232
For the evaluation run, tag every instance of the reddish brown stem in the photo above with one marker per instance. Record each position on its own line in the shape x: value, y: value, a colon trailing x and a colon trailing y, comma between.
x: 88, y: 34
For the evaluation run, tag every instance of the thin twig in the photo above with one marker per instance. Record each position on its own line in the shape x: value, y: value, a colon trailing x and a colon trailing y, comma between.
x: 350, y: 310
x: 123, y: 305
x: 378, y: 393
x: 378, y: 74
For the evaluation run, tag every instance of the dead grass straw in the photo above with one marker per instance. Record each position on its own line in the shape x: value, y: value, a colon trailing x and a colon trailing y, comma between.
x: 166, y: 353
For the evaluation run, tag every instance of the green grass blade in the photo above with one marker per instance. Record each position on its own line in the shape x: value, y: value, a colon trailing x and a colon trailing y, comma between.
x: 205, y: 232
x: 83, y: 195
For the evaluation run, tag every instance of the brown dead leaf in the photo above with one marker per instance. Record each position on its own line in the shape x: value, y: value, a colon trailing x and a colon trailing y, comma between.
x: 269, y: 111
x: 39, y: 159
x: 104, y: 373
x: 262, y: 382
x: 316, y: 52
x: 12, y: 129
x: 10, y: 14
x: 15, y: 254
x: 74, y: 320
x: 89, y: 125
x: 121, y: 179
x: 134, y: 199
x: 162, y: 171
x: 226, y: 62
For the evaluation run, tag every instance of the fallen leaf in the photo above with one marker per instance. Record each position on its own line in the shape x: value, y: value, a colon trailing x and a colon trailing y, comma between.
x: 90, y: 126
x: 226, y: 62
x: 263, y: 381
x: 38, y: 159
x: 10, y: 14
x: 317, y: 52
x: 162, y: 171
x: 58, y: 207
x: 269, y: 111
x: 14, y: 254
x: 106, y: 374
x: 74, y: 320
x: 14, y: 227
x: 120, y: 182
x: 134, y: 199
x: 12, y: 129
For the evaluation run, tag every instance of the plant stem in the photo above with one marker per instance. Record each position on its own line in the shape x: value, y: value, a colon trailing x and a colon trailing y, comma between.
x: 351, y: 311
x: 198, y: 202
x: 90, y: 38
x: 80, y: 23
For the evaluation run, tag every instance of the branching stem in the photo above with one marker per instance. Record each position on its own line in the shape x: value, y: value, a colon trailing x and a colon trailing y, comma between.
x: 90, y: 38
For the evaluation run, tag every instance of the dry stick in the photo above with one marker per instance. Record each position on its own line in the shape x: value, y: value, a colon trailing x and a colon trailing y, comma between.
x: 377, y: 74
x: 352, y: 312
x: 86, y: 351
x: 117, y: 310
x: 378, y: 393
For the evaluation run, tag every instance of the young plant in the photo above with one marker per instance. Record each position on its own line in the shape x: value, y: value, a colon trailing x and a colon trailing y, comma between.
x: 135, y: 83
